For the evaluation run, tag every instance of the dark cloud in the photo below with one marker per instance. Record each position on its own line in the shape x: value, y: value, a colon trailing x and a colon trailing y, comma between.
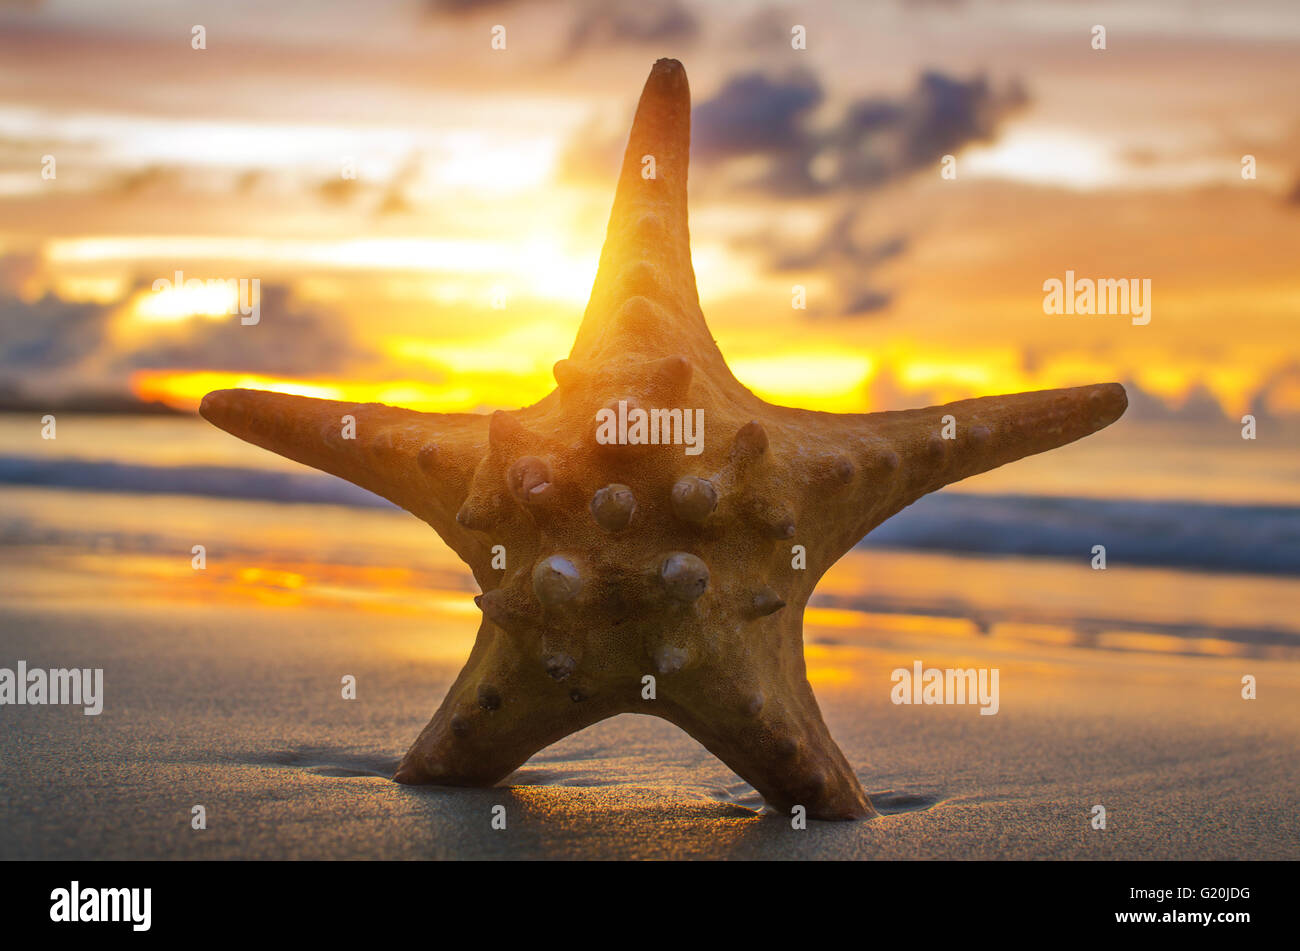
x: 769, y: 28
x: 886, y: 392
x: 52, y: 336
x: 945, y: 114
x: 137, y: 181
x: 49, y: 334
x: 17, y: 268
x: 864, y: 301
x: 1293, y: 196
x: 389, y: 198
x: 875, y: 141
x: 464, y: 7
x: 848, y: 260
x: 839, y: 244
x: 753, y: 114
x: 1200, y: 406
x: 289, y: 339
x: 597, y: 23
x: 618, y: 22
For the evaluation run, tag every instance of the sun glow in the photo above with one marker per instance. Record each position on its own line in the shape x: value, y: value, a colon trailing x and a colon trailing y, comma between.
x: 177, y: 303
x: 185, y: 390
x: 816, y: 379
x: 525, y: 266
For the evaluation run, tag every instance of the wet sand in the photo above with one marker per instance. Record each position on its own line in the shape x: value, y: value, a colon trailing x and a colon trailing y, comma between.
x: 238, y: 708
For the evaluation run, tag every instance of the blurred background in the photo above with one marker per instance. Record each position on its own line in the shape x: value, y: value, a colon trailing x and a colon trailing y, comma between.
x: 422, y: 216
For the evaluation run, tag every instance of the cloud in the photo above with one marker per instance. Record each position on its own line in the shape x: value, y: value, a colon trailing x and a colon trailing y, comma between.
x: 598, y: 23
x: 753, y: 114
x: 49, y: 333
x: 1199, y: 405
x: 847, y: 259
x: 290, y: 339
x: 839, y: 243
x: 17, y: 269
x: 131, y: 184
x: 768, y: 29
x: 1293, y: 196
x: 874, y: 142
x: 52, y: 337
x: 466, y: 7
x: 611, y: 22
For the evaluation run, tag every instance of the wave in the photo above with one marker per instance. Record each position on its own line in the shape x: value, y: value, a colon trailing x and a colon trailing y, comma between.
x: 1257, y: 539
x: 1210, y: 536
x: 222, y: 482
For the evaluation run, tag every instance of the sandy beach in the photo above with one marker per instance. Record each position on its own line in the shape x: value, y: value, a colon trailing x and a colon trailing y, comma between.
x: 227, y: 695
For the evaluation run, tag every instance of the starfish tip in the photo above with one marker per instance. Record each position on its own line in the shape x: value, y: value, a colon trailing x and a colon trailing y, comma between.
x: 668, y: 67
x: 215, y: 404
x: 407, y: 776
x: 1109, y: 401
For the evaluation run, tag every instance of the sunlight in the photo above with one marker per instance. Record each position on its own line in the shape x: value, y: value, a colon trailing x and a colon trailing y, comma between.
x: 1044, y: 156
x: 919, y: 373
x: 184, y: 390
x: 823, y: 379
x: 477, y: 160
x: 528, y: 350
x: 181, y: 302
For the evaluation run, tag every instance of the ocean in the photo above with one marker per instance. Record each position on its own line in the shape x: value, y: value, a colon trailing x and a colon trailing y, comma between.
x: 1007, y: 553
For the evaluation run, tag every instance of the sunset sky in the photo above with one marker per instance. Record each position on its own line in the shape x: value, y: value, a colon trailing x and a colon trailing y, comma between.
x: 485, y: 174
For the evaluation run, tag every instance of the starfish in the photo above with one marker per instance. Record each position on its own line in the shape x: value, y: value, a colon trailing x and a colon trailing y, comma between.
x: 627, y: 576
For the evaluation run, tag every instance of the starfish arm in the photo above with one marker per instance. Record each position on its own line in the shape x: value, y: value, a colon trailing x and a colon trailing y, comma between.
x: 903, y: 455
x: 644, y: 298
x: 748, y: 702
x: 421, y: 461
x: 989, y: 432
x: 648, y: 220
x: 501, y: 710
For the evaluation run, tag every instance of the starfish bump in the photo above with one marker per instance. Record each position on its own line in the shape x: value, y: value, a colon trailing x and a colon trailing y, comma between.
x: 634, y: 561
